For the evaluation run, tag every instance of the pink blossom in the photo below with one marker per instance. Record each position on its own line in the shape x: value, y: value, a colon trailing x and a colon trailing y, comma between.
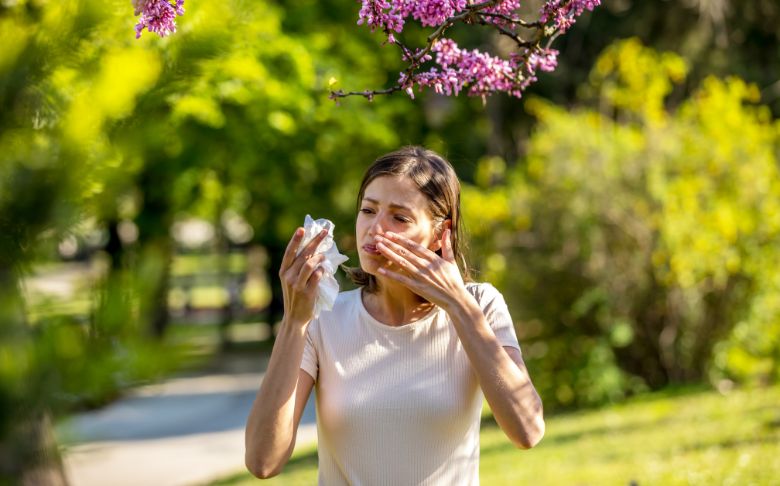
x: 459, y: 68
x: 506, y: 8
x: 543, y: 59
x: 435, y: 12
x: 383, y: 14
x: 563, y: 13
x: 454, y: 70
x: 158, y: 16
x: 390, y: 15
x: 480, y: 73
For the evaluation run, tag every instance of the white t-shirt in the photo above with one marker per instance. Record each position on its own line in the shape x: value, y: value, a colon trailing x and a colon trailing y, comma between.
x: 397, y: 405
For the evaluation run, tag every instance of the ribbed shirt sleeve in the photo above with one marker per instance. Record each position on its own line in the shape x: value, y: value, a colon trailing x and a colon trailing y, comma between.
x: 496, y: 313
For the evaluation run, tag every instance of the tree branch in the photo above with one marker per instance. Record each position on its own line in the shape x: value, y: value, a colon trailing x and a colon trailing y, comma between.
x: 559, y: 16
x: 368, y: 94
x: 515, y: 37
x: 520, y: 22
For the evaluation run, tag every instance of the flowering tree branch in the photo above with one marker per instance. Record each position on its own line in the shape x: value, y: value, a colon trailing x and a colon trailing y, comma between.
x: 440, y: 63
x: 454, y: 69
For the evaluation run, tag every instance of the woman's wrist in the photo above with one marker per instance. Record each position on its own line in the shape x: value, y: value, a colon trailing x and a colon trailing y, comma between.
x: 293, y: 324
x: 462, y: 304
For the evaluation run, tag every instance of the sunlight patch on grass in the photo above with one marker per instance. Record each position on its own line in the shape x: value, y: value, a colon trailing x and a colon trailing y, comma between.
x: 691, y: 438
x: 699, y: 438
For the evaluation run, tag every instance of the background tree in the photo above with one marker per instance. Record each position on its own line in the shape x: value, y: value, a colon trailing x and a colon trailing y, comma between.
x: 634, y: 239
x: 714, y: 37
x: 230, y: 115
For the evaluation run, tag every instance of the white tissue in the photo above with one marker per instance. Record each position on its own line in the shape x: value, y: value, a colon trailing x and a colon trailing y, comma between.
x: 328, y: 287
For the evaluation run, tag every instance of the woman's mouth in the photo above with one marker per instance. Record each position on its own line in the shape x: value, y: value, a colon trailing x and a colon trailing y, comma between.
x: 371, y: 249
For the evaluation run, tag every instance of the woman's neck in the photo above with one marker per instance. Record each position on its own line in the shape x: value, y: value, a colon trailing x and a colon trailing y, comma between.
x: 394, y: 304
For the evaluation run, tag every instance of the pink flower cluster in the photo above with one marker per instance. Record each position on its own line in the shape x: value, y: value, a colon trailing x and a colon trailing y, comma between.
x: 507, y: 9
x: 158, y: 16
x: 543, y: 60
x: 564, y: 12
x: 482, y: 73
x: 391, y: 15
x: 454, y: 69
x: 459, y: 68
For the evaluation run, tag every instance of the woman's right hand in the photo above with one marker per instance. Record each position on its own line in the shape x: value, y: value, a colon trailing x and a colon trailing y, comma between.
x: 300, y: 276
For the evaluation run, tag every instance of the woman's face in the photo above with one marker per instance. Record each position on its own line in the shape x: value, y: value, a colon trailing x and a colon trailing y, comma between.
x: 392, y: 204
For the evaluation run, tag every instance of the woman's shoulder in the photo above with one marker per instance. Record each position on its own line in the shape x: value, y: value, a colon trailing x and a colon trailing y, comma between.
x: 483, y: 291
x: 340, y: 318
x: 496, y: 311
x: 346, y: 297
x: 345, y: 302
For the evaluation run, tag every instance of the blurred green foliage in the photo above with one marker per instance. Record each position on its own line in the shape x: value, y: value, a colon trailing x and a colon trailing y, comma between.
x: 637, y: 244
x: 230, y: 115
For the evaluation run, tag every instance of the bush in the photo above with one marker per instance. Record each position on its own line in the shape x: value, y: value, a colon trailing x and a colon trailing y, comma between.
x: 635, y: 241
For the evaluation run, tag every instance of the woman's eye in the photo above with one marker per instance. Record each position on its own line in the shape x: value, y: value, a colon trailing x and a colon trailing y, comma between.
x: 401, y: 219
x: 367, y: 210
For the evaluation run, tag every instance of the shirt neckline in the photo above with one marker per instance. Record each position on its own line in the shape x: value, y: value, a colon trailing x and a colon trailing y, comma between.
x: 409, y: 326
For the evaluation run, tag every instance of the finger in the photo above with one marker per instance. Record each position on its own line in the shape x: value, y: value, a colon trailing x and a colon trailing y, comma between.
x: 306, y: 253
x: 446, y: 246
x: 315, y: 278
x: 308, y: 268
x: 311, y: 247
x: 413, y: 247
x: 398, y: 277
x: 292, y: 247
x: 398, y: 260
x: 395, y: 251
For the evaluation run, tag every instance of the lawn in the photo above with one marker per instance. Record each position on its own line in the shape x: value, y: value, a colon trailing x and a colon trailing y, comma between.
x: 690, y: 438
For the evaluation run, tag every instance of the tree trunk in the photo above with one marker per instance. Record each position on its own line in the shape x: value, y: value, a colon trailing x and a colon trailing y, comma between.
x: 222, y: 247
x: 155, y: 246
x: 157, y: 259
x: 28, y: 453
x: 114, y: 247
x: 644, y: 356
x: 722, y: 310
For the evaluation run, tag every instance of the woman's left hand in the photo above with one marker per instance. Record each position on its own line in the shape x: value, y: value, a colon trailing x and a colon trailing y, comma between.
x: 433, y: 277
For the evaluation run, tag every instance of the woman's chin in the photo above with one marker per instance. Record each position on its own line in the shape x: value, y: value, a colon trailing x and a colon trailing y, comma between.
x: 371, y: 265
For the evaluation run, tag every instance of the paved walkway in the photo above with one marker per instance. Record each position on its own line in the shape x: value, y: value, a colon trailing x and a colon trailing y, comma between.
x: 185, y: 431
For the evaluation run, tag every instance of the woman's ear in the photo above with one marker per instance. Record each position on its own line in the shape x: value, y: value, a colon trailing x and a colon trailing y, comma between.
x: 437, y: 241
x: 446, y: 225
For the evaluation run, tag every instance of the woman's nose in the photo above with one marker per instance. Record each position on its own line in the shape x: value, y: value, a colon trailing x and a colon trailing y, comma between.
x: 377, y: 227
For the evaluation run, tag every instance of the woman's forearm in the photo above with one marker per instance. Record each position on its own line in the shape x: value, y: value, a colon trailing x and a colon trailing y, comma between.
x: 270, y: 429
x: 506, y: 385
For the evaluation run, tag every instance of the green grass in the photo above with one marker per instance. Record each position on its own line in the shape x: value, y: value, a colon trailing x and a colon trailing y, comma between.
x: 698, y: 438
x: 691, y: 438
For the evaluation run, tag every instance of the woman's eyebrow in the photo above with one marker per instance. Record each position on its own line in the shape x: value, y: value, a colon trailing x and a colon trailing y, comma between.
x: 392, y: 204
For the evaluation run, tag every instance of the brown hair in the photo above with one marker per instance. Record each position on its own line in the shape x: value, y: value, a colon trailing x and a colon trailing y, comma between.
x: 436, y: 179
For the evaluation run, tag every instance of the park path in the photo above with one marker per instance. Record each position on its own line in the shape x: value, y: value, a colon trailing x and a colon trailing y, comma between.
x: 187, y: 430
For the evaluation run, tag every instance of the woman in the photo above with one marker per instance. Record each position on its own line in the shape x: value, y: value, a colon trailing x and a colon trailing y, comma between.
x: 402, y: 362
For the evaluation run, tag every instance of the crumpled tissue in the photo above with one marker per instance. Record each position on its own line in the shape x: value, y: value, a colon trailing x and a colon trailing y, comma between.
x: 328, y: 287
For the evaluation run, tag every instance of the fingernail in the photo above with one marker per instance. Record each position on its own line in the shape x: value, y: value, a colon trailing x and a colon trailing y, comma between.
x: 390, y: 235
